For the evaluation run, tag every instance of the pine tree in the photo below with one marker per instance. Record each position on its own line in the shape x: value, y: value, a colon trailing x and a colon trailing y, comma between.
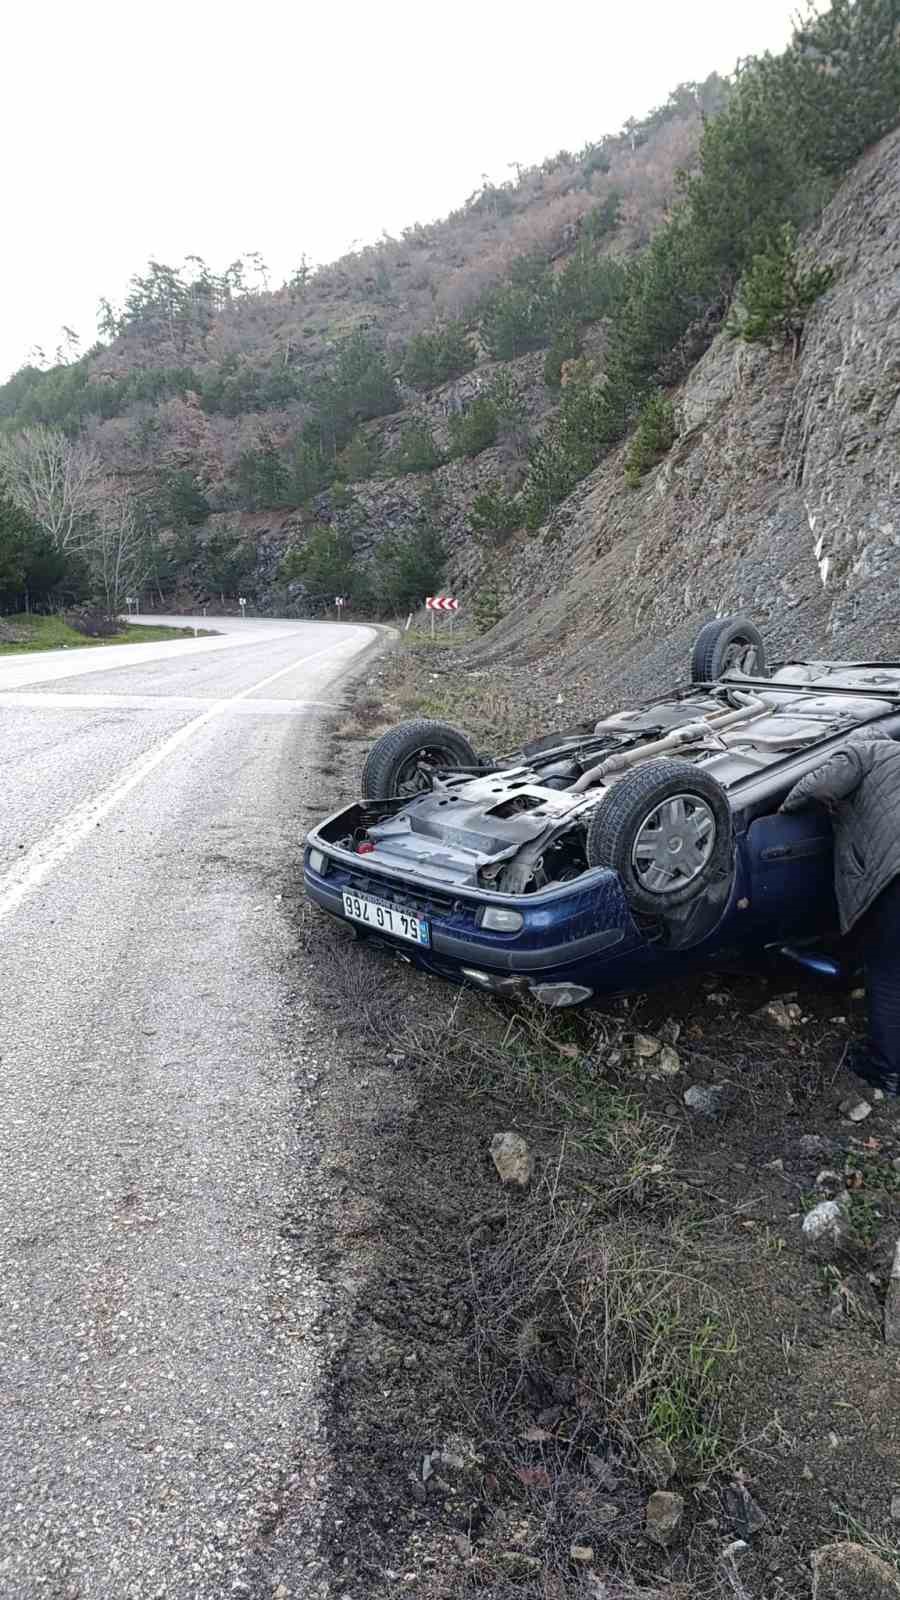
x: 775, y: 294
x: 840, y: 80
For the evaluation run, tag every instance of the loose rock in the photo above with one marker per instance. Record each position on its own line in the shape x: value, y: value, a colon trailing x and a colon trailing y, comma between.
x: 855, y: 1108
x: 828, y: 1223
x: 851, y: 1572
x: 707, y: 1099
x: 743, y: 1510
x: 737, y: 1548
x: 667, y: 1064
x: 811, y: 1144
x: 781, y: 1014
x: 665, y: 1511
x: 646, y: 1046
x: 512, y: 1158
x: 581, y: 1554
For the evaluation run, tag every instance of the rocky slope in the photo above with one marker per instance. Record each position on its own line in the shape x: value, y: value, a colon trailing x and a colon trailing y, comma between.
x: 780, y: 496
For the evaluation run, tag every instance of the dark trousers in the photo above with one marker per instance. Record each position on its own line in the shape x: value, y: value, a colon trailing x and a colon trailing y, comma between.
x: 879, y: 944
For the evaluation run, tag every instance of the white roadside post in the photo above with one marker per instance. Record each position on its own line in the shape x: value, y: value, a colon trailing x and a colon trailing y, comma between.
x: 339, y: 603
x: 243, y: 605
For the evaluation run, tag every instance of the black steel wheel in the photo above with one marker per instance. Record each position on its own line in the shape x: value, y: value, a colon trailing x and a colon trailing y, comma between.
x: 400, y: 764
x: 725, y: 644
x: 666, y: 829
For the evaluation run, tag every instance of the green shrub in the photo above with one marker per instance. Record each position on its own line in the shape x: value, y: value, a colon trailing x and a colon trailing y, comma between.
x: 225, y: 562
x: 775, y: 295
x: 495, y: 515
x: 486, y: 605
x: 186, y: 505
x: 416, y: 451
x: 838, y: 86
x: 30, y: 562
x: 358, y: 460
x: 589, y: 287
x: 566, y: 346
x: 324, y: 563
x: 517, y: 316
x: 474, y: 429
x: 434, y: 357
x: 505, y: 399
x: 310, y: 469
x: 261, y: 477
x: 407, y: 567
x: 653, y: 437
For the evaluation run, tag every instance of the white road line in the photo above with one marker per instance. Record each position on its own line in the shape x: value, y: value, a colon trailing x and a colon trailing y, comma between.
x: 38, y: 862
x: 151, y: 702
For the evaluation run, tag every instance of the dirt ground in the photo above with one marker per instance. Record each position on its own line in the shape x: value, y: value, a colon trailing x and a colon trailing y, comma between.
x: 525, y: 1369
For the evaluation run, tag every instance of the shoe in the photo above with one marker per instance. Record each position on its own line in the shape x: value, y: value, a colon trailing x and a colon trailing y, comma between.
x: 862, y: 1064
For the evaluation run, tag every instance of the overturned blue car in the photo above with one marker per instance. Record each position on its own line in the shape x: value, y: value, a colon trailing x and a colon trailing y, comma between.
x: 607, y: 861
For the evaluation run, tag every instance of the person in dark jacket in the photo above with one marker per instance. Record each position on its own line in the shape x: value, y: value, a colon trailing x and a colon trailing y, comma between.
x: 860, y: 786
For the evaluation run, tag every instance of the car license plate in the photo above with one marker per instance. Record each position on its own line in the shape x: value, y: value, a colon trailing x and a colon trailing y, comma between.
x: 382, y: 918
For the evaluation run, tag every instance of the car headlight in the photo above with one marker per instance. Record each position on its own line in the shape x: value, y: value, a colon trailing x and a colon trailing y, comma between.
x: 499, y: 920
x: 317, y: 860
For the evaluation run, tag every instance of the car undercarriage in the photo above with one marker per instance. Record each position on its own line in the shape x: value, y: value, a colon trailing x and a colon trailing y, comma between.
x: 525, y: 825
x: 604, y: 858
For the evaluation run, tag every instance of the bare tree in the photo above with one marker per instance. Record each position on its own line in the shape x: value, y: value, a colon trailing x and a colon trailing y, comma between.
x: 118, y: 552
x: 58, y: 481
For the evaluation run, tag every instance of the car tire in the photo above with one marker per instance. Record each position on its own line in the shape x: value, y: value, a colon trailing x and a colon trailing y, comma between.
x: 724, y: 643
x: 664, y: 857
x: 398, y: 763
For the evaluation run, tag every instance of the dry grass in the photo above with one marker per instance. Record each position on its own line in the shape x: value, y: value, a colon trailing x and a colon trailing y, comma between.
x: 616, y: 1320
x: 426, y: 679
x: 365, y: 719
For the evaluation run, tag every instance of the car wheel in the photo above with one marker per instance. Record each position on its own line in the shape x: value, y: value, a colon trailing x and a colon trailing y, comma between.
x: 666, y: 829
x: 726, y: 643
x: 401, y: 762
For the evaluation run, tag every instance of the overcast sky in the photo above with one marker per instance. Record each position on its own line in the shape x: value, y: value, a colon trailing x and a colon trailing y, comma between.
x: 163, y: 130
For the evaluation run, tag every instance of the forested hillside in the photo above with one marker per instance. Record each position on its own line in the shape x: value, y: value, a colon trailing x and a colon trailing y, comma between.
x: 419, y: 409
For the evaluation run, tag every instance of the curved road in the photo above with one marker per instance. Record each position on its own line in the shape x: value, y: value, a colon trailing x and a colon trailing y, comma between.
x: 157, y: 1387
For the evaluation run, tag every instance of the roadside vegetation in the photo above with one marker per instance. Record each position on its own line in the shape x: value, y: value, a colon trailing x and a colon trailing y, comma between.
x: 419, y: 680
x: 25, y: 633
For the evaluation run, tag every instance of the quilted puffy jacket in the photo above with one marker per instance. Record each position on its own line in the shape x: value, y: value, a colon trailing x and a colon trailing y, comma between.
x: 860, y: 785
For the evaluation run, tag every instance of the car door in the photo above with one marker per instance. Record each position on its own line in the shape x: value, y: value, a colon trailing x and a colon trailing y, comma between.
x: 790, y: 872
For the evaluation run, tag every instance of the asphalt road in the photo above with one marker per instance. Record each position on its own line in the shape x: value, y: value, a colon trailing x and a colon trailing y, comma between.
x: 158, y: 1431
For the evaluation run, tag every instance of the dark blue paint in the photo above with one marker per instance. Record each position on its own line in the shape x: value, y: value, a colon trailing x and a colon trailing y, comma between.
x: 781, y: 890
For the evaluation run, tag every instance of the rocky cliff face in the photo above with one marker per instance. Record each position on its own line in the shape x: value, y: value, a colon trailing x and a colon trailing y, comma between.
x: 780, y: 497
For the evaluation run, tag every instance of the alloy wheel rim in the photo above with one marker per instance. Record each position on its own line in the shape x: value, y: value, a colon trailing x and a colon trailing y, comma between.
x: 674, y: 843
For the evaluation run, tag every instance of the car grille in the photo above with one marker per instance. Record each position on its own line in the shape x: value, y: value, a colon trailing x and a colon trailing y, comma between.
x: 421, y: 901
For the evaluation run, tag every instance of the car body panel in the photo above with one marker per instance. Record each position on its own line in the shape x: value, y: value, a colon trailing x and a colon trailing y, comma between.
x: 441, y: 854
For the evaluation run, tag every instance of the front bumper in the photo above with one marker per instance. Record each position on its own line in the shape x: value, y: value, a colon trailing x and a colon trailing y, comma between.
x: 568, y: 933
